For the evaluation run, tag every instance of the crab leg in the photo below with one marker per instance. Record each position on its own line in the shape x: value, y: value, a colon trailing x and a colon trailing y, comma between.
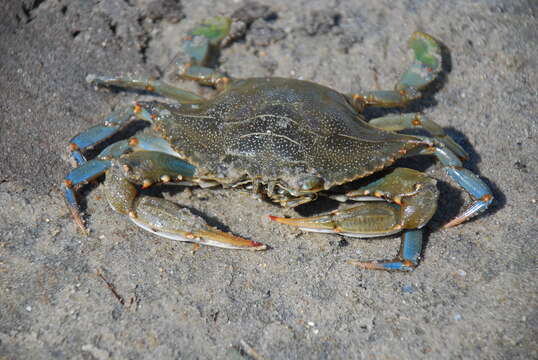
x: 160, y: 216
x: 470, y: 182
x: 78, y: 176
x: 407, y: 199
x: 422, y: 71
x: 96, y: 134
x: 112, y: 124
x: 407, y: 258
x: 90, y: 170
x: 200, y: 45
x: 414, y: 121
x: 157, y: 86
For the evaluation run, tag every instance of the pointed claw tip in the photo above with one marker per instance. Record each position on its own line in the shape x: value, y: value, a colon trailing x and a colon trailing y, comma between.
x: 257, y: 245
x: 454, y: 222
x: 274, y: 218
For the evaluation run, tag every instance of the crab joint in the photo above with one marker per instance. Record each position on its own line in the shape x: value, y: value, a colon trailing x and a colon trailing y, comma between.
x: 137, y: 108
x: 359, y: 101
x: 133, y: 141
x: 146, y: 183
x: 222, y: 82
x: 166, y: 178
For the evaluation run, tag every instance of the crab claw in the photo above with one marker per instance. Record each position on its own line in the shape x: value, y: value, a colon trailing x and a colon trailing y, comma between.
x: 410, y: 248
x: 215, y: 237
x: 167, y: 219
x: 364, y: 220
x: 316, y: 224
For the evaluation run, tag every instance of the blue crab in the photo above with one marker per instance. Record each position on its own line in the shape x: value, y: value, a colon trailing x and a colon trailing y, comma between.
x: 287, y: 140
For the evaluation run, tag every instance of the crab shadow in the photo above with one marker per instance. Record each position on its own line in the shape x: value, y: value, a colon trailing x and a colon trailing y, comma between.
x: 173, y: 190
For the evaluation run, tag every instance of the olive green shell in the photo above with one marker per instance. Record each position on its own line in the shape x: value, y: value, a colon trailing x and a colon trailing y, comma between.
x: 277, y: 129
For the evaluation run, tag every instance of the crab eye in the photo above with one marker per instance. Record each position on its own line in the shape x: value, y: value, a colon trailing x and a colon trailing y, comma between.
x: 311, y: 182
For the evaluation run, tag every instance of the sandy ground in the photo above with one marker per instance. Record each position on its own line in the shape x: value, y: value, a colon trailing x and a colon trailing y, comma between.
x: 473, y: 296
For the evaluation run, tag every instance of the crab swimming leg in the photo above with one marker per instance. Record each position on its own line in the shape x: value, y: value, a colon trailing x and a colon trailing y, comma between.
x: 159, y: 216
x: 402, y: 201
x: 201, y: 45
x: 422, y: 71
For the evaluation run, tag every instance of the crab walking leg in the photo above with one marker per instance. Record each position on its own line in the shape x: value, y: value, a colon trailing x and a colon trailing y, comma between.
x: 203, y: 75
x: 96, y: 134
x: 89, y: 170
x: 469, y: 181
x: 156, y: 86
x: 414, y: 121
x: 407, y: 258
x: 111, y: 126
x: 408, y: 201
x: 77, y: 177
x: 160, y: 216
x: 422, y: 71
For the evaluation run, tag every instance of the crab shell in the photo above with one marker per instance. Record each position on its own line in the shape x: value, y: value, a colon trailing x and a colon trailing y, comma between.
x: 304, y: 136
